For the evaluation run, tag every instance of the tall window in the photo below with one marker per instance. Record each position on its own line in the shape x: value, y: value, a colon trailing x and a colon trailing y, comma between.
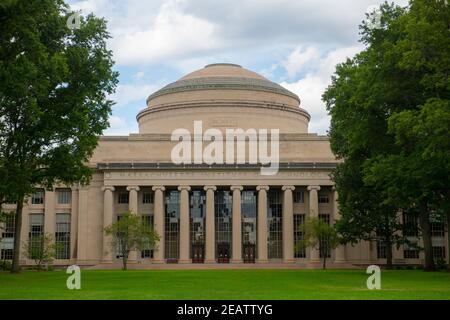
x: 36, y: 230
x: 64, y: 196
x: 7, y: 235
x: 275, y: 225
x: 299, y: 197
x: 438, y: 252
x: 249, y: 216
x: 223, y: 212
x: 38, y: 197
x: 172, y: 226
x: 411, y: 233
x: 322, y: 243
x: 323, y: 197
x: 147, y: 251
x: 147, y: 197
x: 9, y: 226
x: 123, y: 197
x: 299, y: 220
x: 437, y: 229
x: 381, y: 249
x: 410, y: 225
x: 197, y: 214
x: 62, y: 236
x: 410, y: 252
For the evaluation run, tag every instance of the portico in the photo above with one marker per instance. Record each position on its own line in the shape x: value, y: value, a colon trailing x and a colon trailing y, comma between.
x: 201, y: 217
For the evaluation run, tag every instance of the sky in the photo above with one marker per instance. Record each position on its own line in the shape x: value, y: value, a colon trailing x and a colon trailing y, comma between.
x: 296, y: 43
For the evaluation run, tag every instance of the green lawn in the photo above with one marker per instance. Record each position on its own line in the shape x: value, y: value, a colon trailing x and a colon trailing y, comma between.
x: 226, y: 284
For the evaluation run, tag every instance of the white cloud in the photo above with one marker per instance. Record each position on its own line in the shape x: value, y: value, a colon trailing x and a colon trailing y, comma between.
x: 173, y: 31
x: 129, y: 93
x: 117, y: 127
x: 139, y: 75
x: 311, y: 87
x: 170, y: 35
x: 299, y: 58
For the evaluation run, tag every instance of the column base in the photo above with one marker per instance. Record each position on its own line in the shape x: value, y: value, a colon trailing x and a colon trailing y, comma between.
x: 288, y: 261
x: 159, y: 261
x: 106, y: 261
x: 236, y: 261
x: 184, y: 261
x: 262, y: 261
x: 210, y: 261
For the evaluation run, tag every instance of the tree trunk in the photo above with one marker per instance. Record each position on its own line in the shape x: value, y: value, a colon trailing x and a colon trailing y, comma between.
x: 125, y: 259
x: 324, y: 266
x: 424, y: 220
x: 17, y: 235
x: 388, y: 254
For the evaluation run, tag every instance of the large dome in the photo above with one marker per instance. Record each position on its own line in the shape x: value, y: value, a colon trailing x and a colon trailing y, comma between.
x: 223, y: 95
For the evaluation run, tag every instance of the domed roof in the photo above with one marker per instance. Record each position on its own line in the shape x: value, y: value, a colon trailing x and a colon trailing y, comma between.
x: 223, y: 76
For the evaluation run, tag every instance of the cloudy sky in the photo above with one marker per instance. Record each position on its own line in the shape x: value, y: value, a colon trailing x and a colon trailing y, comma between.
x: 296, y: 43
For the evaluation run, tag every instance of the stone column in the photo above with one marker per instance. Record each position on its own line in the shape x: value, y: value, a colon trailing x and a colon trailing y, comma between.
x: 288, y: 224
x: 74, y: 224
x: 82, y: 226
x: 108, y: 209
x: 49, y: 215
x: 133, y: 199
x: 184, y: 224
x: 133, y: 208
x: 237, y: 225
x: 262, y: 223
x: 339, y: 254
x: 210, y: 243
x: 158, y: 223
x: 314, y: 213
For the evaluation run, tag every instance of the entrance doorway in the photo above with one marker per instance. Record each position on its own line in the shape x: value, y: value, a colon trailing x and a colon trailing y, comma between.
x: 223, y: 252
x: 198, y: 253
x: 248, y: 252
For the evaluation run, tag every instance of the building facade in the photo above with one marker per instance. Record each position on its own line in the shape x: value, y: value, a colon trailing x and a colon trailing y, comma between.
x: 205, y: 213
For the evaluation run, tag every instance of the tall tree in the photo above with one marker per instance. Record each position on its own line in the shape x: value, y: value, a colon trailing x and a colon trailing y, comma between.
x: 404, y: 67
x: 54, y: 82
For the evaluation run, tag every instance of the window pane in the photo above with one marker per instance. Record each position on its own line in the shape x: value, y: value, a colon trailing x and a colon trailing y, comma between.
x: 64, y: 196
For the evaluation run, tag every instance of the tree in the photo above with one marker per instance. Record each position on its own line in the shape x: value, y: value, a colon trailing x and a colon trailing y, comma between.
x: 54, y: 83
x: 130, y: 233
x: 40, y: 248
x: 320, y: 235
x: 373, y: 100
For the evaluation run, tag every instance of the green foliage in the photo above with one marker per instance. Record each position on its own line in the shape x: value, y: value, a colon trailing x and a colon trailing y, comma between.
x: 130, y: 233
x: 40, y: 248
x: 390, y: 124
x: 54, y: 83
x: 320, y: 235
x: 5, y: 265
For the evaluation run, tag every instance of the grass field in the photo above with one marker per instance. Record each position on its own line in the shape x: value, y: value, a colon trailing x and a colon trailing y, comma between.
x: 226, y: 284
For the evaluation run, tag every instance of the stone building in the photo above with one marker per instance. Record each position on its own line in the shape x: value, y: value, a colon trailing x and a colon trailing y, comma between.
x: 204, y: 213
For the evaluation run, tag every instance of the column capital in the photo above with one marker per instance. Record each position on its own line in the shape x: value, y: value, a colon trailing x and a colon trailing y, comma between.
x: 313, y: 188
x: 240, y: 188
x: 181, y: 188
x: 162, y: 188
x: 284, y: 188
x: 108, y: 188
x: 129, y: 188
x: 259, y: 188
x: 213, y: 188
